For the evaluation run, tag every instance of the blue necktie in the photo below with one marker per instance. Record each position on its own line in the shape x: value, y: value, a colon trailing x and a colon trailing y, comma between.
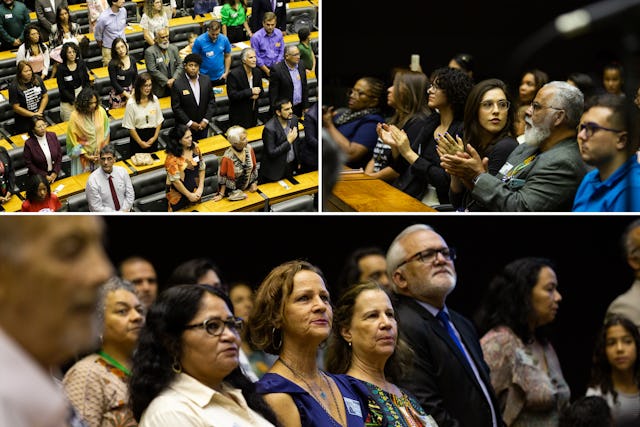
x: 443, y: 317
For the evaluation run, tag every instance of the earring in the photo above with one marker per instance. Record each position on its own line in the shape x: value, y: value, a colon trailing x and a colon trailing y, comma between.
x: 349, y: 342
x: 273, y: 338
x: 176, y: 367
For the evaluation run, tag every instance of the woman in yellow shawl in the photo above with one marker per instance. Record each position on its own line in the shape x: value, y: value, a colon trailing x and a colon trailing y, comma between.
x: 87, y: 132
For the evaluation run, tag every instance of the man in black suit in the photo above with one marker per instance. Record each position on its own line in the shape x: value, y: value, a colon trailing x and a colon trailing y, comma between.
x: 288, y: 79
x: 192, y: 99
x: 450, y: 377
x: 280, y: 139
x: 243, y: 97
x: 259, y: 7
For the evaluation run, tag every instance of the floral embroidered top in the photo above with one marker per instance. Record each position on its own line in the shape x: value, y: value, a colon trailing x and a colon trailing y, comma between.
x: 98, y: 391
x: 527, y: 379
x: 387, y: 409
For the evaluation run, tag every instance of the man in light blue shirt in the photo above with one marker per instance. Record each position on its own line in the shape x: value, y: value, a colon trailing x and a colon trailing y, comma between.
x: 607, y: 144
x: 268, y: 42
x: 110, y: 25
x: 215, y: 50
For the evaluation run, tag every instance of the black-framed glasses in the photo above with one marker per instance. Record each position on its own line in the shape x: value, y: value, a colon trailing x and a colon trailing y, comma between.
x: 502, y: 105
x: 214, y: 327
x: 357, y: 93
x: 429, y: 255
x: 592, y: 128
x: 535, y: 106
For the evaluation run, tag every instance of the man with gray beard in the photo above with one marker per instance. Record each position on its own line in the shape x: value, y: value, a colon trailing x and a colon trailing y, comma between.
x: 163, y: 63
x: 541, y: 175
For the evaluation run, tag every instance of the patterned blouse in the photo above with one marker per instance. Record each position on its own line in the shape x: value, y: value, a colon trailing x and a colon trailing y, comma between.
x: 529, y: 395
x: 98, y: 391
x: 387, y: 409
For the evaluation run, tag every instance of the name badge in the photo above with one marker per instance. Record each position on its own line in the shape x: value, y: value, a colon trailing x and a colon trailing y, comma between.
x: 279, y: 4
x: 185, y: 92
x: 353, y: 407
x: 37, y: 90
x: 506, y: 168
x: 196, y: 159
x: 278, y: 44
x: 47, y: 9
x: 8, y: 16
x: 209, y: 54
x: 234, y: 14
x: 68, y: 78
x: 159, y: 60
x: 152, y: 112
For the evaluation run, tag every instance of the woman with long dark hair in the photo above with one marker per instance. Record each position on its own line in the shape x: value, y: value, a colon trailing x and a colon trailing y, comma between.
x: 27, y: 95
x: 35, y: 51
x: 143, y: 116
x: 122, y: 73
x: 72, y: 76
x: 185, y: 169
x: 188, y: 349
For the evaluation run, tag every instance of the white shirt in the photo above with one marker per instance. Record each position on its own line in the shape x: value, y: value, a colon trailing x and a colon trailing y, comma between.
x: 189, y: 402
x: 28, y: 395
x: 44, y: 145
x: 99, y: 194
x: 138, y: 117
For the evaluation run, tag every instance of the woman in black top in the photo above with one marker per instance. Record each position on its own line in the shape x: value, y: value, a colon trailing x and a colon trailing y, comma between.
x: 28, y: 97
x: 122, y: 73
x: 72, y: 76
x: 7, y: 176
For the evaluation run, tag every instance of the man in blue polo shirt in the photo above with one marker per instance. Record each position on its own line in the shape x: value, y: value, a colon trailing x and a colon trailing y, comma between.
x: 215, y: 50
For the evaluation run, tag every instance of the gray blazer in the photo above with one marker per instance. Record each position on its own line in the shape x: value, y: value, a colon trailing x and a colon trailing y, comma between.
x: 47, y: 15
x: 547, y: 184
x: 160, y: 71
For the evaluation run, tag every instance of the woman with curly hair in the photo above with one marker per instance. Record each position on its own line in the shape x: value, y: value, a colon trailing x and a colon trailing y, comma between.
x: 519, y: 305
x: 365, y: 345
x: 615, y: 370
x: 185, y: 169
x: 418, y: 165
x: 186, y: 369
x: 87, y: 132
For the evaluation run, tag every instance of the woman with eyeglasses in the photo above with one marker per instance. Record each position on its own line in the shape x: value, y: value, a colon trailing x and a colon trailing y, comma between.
x: 519, y: 305
x: 488, y: 127
x: 407, y: 96
x: 143, y: 116
x: 186, y: 369
x: 419, y: 171
x: 354, y: 128
x: 42, y: 151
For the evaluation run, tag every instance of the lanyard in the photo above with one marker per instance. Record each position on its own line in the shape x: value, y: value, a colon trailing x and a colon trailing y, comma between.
x: 114, y: 362
x: 518, y: 168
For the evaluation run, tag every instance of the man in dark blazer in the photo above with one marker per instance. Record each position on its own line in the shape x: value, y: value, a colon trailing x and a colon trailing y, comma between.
x: 259, y: 7
x: 46, y: 14
x: 163, y: 63
x: 288, y: 79
x: 196, y: 114
x: 452, y: 385
x: 280, y: 141
x: 243, y: 99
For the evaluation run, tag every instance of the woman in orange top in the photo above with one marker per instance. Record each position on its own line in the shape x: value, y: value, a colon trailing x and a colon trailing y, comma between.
x: 185, y: 169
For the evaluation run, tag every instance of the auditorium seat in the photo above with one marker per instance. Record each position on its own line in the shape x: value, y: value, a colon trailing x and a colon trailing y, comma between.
x: 305, y: 203
x: 76, y: 203
x: 150, y: 191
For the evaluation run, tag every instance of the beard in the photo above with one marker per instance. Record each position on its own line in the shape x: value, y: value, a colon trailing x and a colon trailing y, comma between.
x: 164, y: 45
x: 534, y: 135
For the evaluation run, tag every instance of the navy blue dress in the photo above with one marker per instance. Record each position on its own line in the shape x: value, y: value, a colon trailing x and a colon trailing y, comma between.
x: 311, y: 413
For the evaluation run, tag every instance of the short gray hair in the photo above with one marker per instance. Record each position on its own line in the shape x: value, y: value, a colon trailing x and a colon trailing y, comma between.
x: 113, y: 284
x: 570, y: 99
x: 396, y: 252
x: 234, y: 133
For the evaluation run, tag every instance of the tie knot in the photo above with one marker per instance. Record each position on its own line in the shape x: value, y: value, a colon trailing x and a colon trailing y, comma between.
x: 443, y: 316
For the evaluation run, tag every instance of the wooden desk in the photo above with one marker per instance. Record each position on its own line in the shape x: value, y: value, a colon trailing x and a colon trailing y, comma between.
x: 70, y: 185
x: 58, y: 129
x: 371, y: 195
x: 13, y: 205
x: 162, y: 156
x: 6, y: 144
x: 307, y: 184
x: 253, y: 202
x: 216, y: 144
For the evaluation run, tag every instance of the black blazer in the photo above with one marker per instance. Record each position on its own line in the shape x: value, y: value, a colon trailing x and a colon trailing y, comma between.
x: 243, y: 110
x: 441, y: 379
x: 184, y: 105
x: 273, y: 166
x: 259, y: 7
x: 281, y: 85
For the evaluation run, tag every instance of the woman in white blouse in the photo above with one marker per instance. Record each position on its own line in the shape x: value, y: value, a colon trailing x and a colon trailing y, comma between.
x: 143, y: 116
x: 153, y: 18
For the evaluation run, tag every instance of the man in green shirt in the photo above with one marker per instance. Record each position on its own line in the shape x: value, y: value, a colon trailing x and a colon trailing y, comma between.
x: 14, y: 17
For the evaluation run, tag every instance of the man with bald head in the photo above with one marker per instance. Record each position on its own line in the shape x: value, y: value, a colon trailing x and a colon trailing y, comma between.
x: 163, y: 63
x: 51, y: 271
x: 450, y: 377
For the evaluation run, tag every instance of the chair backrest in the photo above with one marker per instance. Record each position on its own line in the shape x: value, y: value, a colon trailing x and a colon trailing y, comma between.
x: 150, y: 191
x: 77, y: 203
x: 211, y: 173
x: 305, y: 203
x: 258, y: 146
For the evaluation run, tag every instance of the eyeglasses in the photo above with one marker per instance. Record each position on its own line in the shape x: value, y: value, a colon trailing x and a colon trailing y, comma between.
x: 592, y: 128
x: 503, y: 105
x: 537, y: 107
x: 215, y: 327
x: 107, y: 159
x: 429, y: 255
x: 434, y: 86
x: 358, y: 93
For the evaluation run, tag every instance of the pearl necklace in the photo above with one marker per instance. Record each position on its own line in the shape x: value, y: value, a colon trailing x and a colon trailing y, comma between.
x: 322, y: 393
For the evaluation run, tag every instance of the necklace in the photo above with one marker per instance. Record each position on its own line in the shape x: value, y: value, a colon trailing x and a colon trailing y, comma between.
x: 322, y: 393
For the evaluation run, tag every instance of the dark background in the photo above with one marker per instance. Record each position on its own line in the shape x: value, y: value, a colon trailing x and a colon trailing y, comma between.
x: 505, y: 37
x: 586, y: 249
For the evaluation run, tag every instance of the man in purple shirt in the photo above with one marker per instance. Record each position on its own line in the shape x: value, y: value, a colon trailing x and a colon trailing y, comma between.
x: 110, y: 25
x: 268, y: 43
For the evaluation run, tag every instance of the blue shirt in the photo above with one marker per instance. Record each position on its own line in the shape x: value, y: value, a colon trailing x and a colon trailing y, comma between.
x: 110, y: 25
x: 212, y: 54
x: 619, y: 193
